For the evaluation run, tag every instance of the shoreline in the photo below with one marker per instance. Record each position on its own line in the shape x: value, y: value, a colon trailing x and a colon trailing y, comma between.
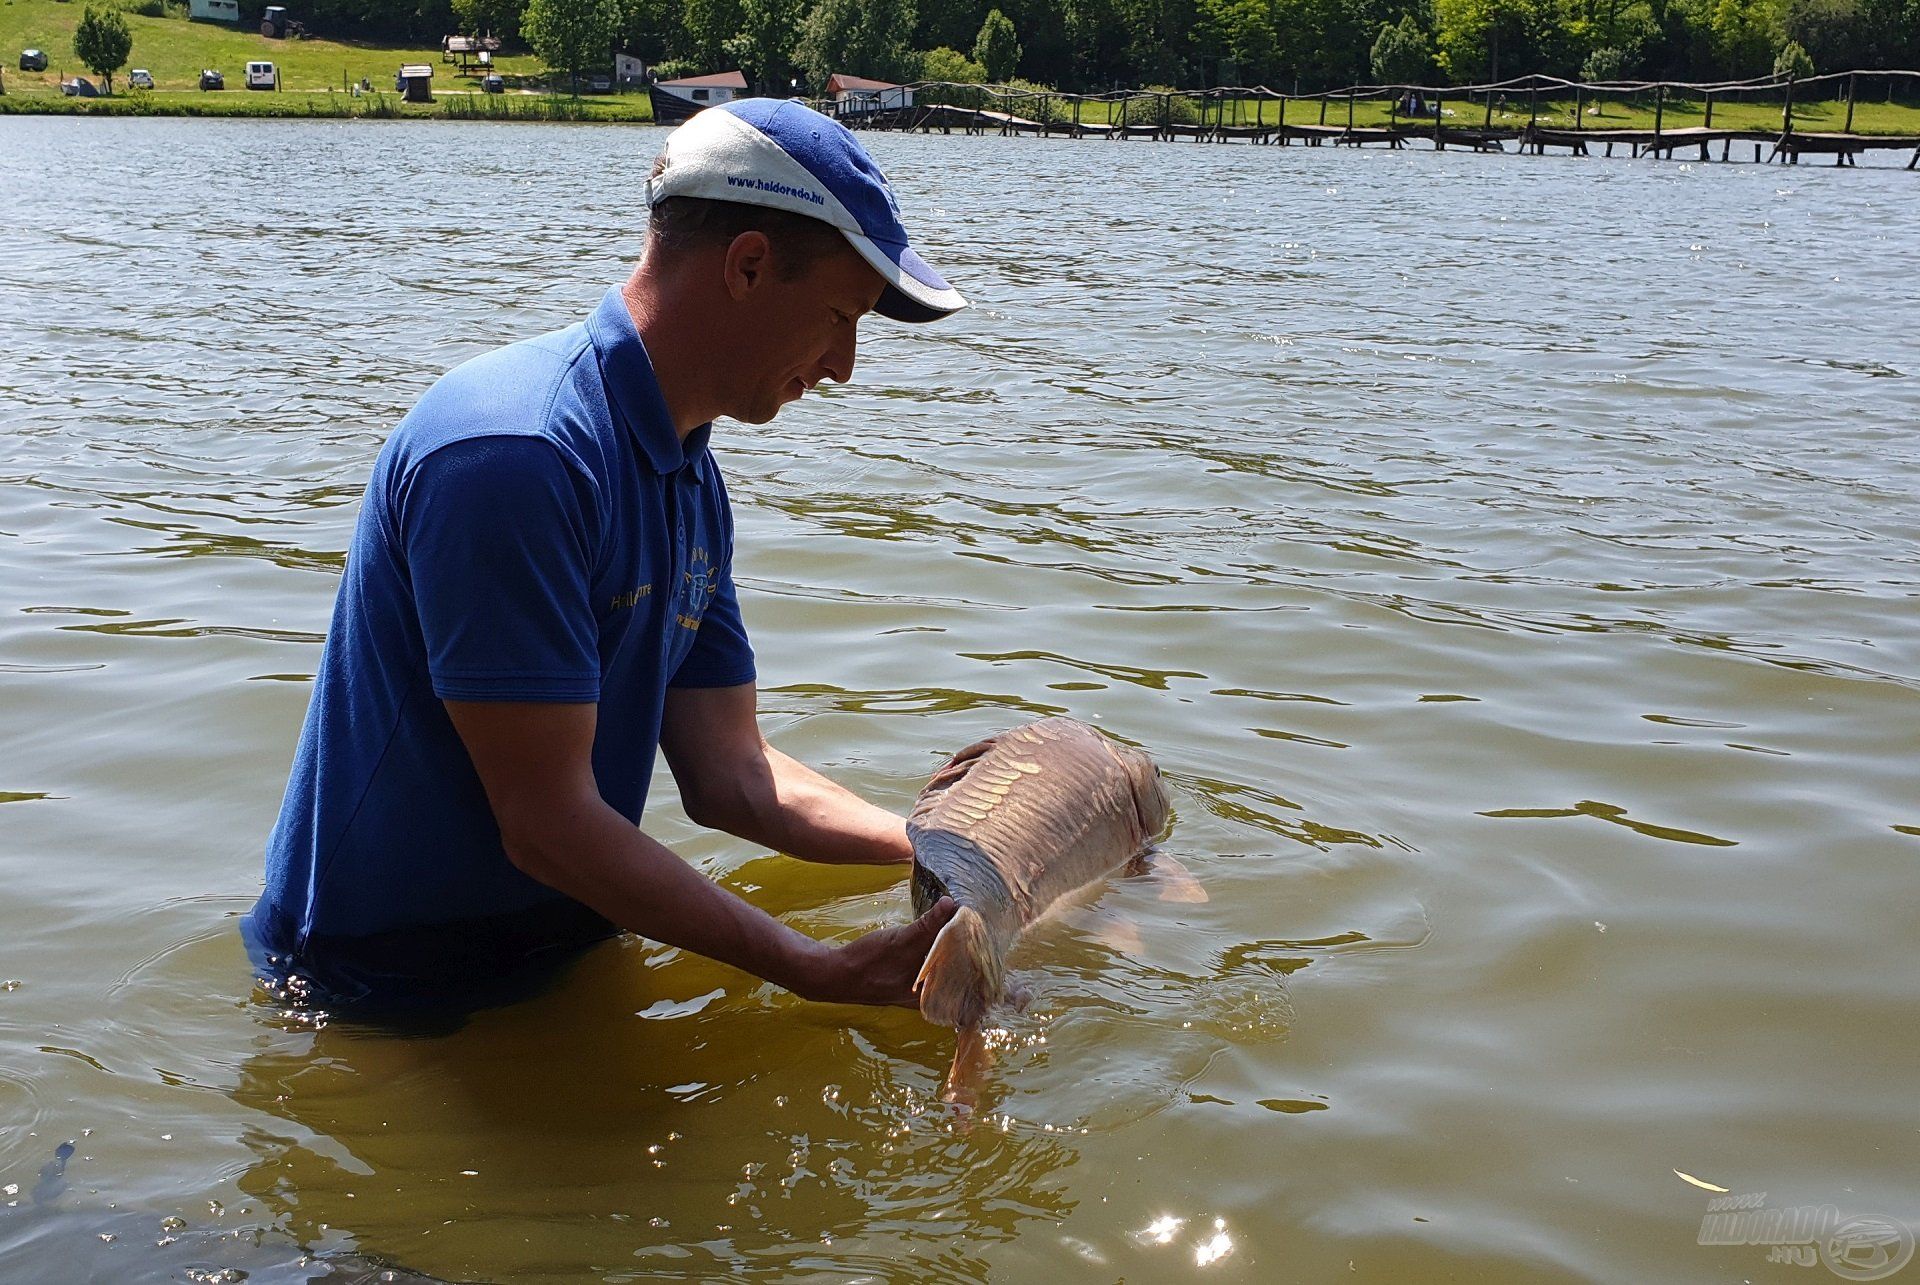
x: 334, y: 105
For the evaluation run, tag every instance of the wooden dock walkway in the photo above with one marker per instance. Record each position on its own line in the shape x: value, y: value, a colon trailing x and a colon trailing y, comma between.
x: 1221, y: 116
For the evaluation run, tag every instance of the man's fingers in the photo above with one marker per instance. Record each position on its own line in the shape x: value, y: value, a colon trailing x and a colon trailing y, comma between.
x: 928, y: 926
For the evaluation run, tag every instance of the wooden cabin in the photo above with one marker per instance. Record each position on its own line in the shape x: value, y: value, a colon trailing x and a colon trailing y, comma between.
x: 855, y: 94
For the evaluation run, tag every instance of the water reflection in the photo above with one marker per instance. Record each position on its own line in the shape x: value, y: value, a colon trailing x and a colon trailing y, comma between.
x: 700, y: 1139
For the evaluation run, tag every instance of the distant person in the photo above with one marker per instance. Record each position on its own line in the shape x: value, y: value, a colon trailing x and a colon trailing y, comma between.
x: 540, y: 593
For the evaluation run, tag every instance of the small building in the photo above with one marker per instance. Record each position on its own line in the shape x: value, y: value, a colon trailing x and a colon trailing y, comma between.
x: 628, y: 70
x: 676, y: 100
x: 415, y: 82
x: 854, y: 94
x: 214, y: 10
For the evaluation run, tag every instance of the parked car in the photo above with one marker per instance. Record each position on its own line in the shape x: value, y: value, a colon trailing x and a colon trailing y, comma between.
x: 602, y: 84
x: 493, y: 84
x: 210, y: 78
x: 140, y: 78
x: 79, y: 87
x: 262, y: 75
x: 33, y: 60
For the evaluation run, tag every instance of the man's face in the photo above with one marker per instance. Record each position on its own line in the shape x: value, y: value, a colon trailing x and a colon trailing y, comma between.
x: 797, y: 332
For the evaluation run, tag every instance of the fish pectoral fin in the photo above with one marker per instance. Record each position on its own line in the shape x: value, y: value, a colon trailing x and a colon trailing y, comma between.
x: 1119, y: 935
x: 1175, y: 881
x: 1016, y: 996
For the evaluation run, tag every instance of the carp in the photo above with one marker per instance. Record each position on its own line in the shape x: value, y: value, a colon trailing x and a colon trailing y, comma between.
x: 1007, y: 827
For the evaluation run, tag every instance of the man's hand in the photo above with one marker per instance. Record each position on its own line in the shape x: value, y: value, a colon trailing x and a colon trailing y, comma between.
x: 880, y: 967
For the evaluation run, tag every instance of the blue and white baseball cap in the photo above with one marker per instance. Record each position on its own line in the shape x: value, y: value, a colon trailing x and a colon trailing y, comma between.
x: 782, y: 154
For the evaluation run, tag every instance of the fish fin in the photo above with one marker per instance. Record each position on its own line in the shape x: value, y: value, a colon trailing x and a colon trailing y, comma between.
x: 1176, y: 881
x: 962, y: 974
x: 1121, y: 936
x: 972, y: 1059
x: 1017, y: 996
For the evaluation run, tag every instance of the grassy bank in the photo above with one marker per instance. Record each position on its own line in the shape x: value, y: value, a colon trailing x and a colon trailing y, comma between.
x: 314, y: 75
x: 387, y: 105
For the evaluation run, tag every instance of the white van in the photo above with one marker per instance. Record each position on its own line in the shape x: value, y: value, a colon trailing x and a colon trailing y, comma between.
x: 262, y: 75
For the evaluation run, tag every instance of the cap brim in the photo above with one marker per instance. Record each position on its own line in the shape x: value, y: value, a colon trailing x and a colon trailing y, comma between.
x: 914, y: 292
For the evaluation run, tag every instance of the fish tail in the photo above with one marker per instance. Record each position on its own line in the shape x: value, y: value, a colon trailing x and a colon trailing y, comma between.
x: 963, y: 973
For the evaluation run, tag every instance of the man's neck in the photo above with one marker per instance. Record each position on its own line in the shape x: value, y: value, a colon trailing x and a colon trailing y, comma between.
x: 680, y: 353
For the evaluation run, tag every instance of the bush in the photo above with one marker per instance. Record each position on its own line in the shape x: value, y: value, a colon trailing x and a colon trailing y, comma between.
x: 1034, y: 102
x: 678, y: 69
x: 1606, y: 64
x: 1793, y: 61
x: 951, y: 65
x: 145, y: 8
x: 1149, y: 108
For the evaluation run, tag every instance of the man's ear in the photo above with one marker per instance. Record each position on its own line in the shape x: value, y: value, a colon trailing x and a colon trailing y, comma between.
x: 749, y: 261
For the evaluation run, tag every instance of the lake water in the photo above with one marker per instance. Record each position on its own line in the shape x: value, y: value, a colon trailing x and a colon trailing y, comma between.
x: 1514, y: 563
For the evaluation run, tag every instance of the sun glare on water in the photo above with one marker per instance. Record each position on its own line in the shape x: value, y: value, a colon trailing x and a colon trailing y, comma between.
x: 1215, y: 1247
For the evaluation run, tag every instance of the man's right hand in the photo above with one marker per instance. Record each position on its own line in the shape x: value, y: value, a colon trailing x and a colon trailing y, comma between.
x: 880, y: 967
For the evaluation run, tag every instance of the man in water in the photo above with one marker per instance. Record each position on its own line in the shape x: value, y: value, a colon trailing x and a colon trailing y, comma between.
x: 540, y: 592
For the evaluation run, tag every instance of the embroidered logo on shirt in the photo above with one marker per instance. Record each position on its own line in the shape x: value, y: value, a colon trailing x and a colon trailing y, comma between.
x: 698, y: 584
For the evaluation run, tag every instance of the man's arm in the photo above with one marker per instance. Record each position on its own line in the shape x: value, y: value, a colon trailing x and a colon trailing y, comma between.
x: 536, y: 762
x: 730, y: 779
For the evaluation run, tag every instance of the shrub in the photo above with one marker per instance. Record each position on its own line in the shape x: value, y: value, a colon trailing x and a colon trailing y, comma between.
x: 1793, y: 61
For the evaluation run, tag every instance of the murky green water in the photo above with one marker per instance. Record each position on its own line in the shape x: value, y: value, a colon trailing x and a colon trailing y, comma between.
x: 1513, y: 562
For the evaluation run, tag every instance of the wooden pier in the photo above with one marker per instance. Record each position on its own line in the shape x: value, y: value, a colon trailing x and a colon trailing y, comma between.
x: 1436, y: 115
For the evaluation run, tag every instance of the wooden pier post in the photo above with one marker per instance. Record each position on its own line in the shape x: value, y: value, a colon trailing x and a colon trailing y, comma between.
x: 1707, y: 122
x: 1123, y: 117
x: 1786, y: 112
x: 1439, y: 142
x: 1349, y: 111
x: 1488, y: 122
x: 1659, y: 112
x: 1579, y: 104
x: 1323, y: 109
x: 1851, y: 77
x: 1076, y: 115
x: 1280, y: 131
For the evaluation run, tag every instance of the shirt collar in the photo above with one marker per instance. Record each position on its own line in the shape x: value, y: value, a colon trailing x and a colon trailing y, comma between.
x: 634, y: 391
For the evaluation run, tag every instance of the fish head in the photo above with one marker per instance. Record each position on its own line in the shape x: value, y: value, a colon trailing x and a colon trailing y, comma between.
x: 1151, y: 801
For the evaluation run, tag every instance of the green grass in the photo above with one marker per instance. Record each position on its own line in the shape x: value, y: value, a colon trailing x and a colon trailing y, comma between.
x: 314, y: 74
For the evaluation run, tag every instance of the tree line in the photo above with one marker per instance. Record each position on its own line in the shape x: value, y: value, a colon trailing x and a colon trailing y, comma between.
x: 1093, y: 45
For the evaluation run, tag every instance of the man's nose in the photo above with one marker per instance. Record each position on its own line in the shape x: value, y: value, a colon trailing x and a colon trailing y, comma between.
x: 838, y: 360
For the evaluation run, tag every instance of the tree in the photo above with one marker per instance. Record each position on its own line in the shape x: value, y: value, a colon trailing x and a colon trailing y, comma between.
x: 102, y: 42
x: 1606, y: 64
x: 1793, y: 61
x: 1492, y: 39
x: 997, y: 48
x: 495, y: 17
x: 860, y: 37
x: 1401, y: 54
x: 1744, y: 32
x: 763, y: 47
x: 952, y: 66
x: 571, y: 35
x: 709, y: 24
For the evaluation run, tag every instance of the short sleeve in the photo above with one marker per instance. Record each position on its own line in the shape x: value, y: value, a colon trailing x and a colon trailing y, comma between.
x: 499, y: 540
x: 721, y: 656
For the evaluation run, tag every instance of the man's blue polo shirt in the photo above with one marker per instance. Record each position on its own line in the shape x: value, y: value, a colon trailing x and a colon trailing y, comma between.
x: 534, y: 530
